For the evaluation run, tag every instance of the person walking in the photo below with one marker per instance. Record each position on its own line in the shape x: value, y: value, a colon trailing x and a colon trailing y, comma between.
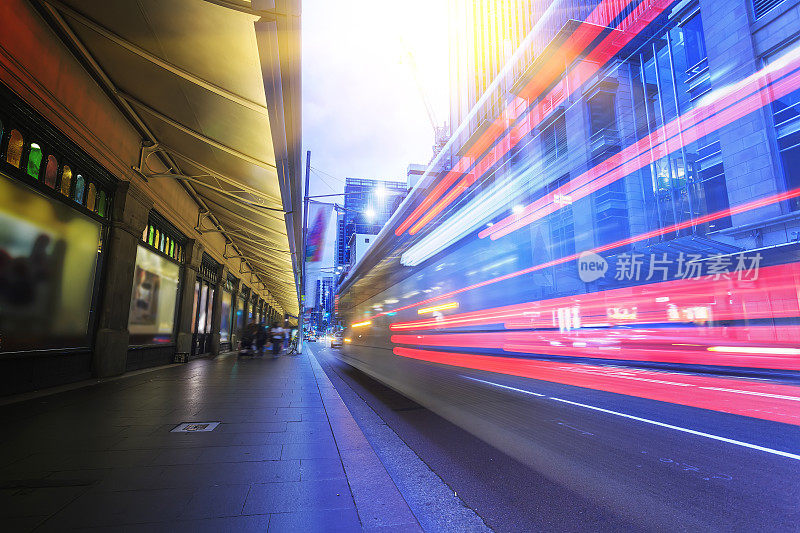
x: 261, y: 339
x: 248, y: 338
x: 276, y: 336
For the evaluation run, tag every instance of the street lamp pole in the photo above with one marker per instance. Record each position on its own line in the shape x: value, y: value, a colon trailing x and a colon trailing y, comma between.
x: 305, y: 244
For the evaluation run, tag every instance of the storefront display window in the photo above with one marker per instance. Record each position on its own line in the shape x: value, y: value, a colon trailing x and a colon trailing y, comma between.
x: 48, y: 263
x: 225, y: 322
x: 155, y: 293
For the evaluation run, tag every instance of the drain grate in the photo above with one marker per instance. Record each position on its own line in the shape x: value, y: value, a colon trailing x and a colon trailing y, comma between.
x: 194, y: 427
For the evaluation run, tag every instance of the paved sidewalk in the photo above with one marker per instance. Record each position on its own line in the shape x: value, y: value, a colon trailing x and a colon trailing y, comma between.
x: 286, y: 456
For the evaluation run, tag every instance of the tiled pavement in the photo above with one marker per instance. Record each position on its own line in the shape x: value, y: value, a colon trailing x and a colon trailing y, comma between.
x: 287, y: 456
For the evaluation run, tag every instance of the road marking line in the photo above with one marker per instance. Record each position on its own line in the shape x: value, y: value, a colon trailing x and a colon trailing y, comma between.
x: 648, y: 421
x: 506, y: 387
x: 685, y: 430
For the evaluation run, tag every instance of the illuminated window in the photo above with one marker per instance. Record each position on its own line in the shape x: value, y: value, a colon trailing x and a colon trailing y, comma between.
x: 91, y: 197
x: 80, y: 185
x: 51, y: 171
x: 66, y: 180
x: 14, y: 151
x: 34, y: 160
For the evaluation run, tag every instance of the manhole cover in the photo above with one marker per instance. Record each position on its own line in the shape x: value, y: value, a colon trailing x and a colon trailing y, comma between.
x: 194, y: 427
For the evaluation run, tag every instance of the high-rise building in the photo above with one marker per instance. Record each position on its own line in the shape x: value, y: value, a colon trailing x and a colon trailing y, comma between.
x: 323, y: 302
x: 368, y: 205
x: 591, y: 82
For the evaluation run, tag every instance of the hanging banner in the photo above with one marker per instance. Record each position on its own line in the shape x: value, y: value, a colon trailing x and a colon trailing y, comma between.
x: 319, y: 215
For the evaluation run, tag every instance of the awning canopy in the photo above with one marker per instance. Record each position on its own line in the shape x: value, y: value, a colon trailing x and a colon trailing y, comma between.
x: 214, y: 85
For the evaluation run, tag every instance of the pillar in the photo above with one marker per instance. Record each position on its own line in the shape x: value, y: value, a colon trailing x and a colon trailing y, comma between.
x: 216, y: 310
x: 131, y: 212
x: 233, y: 336
x: 193, y: 252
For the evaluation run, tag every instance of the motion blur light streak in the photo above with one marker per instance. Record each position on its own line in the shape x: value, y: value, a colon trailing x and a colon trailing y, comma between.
x: 613, y: 43
x: 705, y: 392
x: 618, y: 216
x: 361, y: 324
x: 726, y: 107
x: 442, y: 307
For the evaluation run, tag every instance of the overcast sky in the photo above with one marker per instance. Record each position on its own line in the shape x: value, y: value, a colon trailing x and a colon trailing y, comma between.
x: 363, y: 112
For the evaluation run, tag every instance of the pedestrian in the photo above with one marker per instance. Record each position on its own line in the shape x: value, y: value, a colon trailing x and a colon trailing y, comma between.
x: 261, y: 339
x: 276, y: 334
x: 248, y: 338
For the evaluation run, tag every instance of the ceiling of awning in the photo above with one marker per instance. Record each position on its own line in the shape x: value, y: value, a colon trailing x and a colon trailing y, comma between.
x: 193, y: 76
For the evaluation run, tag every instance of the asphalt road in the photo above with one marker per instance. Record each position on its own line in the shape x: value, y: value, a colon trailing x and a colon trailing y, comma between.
x: 583, y: 460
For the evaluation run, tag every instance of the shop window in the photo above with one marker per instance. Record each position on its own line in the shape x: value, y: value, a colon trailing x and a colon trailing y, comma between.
x: 14, y: 150
x: 34, y: 160
x: 80, y: 185
x: 46, y: 298
x: 153, y: 301
x: 91, y: 198
x: 66, y: 180
x: 51, y: 171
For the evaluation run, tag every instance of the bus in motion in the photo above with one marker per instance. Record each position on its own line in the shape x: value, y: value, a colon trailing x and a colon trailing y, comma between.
x: 599, y: 273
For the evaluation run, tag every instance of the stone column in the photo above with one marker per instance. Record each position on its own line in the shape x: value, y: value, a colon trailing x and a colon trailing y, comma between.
x: 234, y: 323
x: 216, y: 310
x: 193, y: 252
x: 130, y: 215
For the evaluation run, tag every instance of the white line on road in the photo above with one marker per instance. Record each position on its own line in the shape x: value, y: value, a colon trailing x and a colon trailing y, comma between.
x: 648, y: 421
x: 685, y: 430
x: 506, y: 387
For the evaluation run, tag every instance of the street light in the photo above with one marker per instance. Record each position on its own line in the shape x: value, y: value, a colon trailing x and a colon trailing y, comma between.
x: 370, y: 213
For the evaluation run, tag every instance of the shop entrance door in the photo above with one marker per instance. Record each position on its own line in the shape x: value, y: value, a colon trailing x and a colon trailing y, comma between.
x: 201, y: 325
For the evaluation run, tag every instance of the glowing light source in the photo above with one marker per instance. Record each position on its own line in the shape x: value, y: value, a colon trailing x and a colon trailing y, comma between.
x: 755, y: 350
x: 517, y: 209
x: 360, y: 324
x: 369, y: 213
x: 442, y: 307
x: 346, y: 339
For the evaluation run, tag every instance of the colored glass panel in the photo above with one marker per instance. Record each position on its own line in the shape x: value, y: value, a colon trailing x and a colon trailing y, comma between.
x: 14, y: 150
x: 51, y: 171
x: 34, y: 160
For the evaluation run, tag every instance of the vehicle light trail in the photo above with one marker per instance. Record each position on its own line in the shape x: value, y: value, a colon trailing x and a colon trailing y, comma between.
x: 595, y: 23
x: 597, y: 58
x: 641, y: 344
x: 704, y: 392
x: 725, y: 109
x: 743, y: 208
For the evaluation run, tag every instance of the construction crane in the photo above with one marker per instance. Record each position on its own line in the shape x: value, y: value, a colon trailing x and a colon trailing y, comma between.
x: 441, y: 133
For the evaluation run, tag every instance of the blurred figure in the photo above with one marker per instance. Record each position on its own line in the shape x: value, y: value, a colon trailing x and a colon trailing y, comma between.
x: 277, y: 334
x: 261, y: 339
x: 248, y: 337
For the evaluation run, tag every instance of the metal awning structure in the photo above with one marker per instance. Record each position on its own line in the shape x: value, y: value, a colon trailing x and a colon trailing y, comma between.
x: 214, y: 88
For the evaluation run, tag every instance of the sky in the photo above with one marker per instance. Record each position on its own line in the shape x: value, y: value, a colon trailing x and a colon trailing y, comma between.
x: 363, y: 110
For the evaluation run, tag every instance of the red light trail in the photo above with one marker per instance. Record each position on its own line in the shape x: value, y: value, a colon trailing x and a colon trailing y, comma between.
x: 766, y: 401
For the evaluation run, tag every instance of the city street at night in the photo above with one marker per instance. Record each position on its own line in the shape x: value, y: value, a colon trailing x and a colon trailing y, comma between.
x: 431, y: 265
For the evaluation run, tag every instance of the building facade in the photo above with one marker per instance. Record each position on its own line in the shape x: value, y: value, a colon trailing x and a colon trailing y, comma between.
x: 368, y: 204
x: 576, y: 101
x: 116, y: 253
